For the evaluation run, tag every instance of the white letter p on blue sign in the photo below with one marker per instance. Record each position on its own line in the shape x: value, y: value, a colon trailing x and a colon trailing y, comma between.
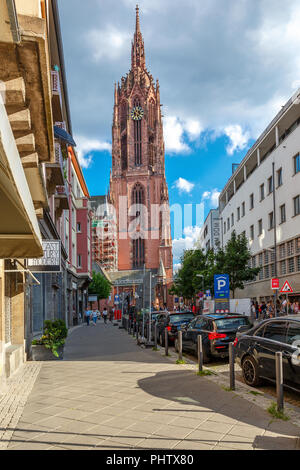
x: 221, y: 283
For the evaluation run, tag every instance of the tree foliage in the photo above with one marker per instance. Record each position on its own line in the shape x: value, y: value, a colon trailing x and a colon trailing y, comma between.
x: 100, y: 286
x: 198, y: 268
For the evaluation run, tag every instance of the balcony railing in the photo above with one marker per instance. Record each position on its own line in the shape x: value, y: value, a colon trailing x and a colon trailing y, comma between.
x: 56, y: 95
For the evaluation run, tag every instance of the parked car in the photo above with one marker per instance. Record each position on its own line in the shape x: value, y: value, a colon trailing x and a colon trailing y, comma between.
x: 217, y: 331
x: 256, y: 348
x: 172, y: 321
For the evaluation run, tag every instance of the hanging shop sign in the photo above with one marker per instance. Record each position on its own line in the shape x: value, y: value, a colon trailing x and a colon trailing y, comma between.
x: 50, y: 262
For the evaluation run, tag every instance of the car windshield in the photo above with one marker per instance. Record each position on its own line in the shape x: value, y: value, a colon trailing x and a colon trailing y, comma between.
x: 231, y: 323
x: 182, y: 317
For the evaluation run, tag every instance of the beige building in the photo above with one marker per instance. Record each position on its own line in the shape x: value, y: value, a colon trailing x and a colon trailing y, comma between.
x: 34, y: 162
x: 26, y: 143
x: 262, y: 199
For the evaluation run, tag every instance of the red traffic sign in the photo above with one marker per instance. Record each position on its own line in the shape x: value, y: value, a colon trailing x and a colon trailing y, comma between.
x: 286, y: 288
x: 275, y: 283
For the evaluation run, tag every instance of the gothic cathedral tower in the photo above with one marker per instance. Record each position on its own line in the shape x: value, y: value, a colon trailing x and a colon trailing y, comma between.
x: 138, y: 170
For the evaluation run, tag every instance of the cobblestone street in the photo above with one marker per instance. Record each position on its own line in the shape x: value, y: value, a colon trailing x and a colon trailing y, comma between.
x: 108, y: 393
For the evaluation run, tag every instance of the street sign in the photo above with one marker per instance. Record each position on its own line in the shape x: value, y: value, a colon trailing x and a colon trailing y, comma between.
x: 117, y: 299
x: 51, y: 261
x: 275, y: 283
x: 221, y: 286
x: 286, y: 288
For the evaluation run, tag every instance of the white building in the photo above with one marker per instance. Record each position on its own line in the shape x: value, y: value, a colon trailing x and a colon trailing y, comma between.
x: 210, y: 235
x: 246, y: 203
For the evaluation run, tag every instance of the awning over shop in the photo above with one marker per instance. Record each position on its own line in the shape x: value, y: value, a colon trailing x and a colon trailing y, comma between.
x: 19, y: 231
x: 60, y: 133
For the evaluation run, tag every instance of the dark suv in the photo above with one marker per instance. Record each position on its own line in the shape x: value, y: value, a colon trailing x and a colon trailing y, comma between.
x: 172, y: 321
x: 217, y: 332
x: 256, y: 348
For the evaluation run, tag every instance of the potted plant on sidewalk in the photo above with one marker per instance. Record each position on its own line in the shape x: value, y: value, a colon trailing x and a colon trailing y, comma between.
x: 50, y: 346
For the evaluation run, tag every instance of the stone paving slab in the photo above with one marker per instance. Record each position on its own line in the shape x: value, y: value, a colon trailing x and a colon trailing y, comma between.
x: 108, y: 393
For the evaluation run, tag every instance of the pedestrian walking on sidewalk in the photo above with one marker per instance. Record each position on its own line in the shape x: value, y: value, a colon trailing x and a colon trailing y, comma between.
x: 105, y: 315
x: 87, y: 316
x: 94, y: 315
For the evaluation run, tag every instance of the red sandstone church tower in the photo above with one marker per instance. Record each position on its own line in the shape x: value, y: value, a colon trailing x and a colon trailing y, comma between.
x: 138, y: 184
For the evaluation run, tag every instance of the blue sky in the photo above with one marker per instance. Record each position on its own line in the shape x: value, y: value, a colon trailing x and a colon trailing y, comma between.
x: 224, y: 74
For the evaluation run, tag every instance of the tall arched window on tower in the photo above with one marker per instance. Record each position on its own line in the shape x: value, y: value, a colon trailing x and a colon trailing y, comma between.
x: 123, y: 115
x: 137, y: 136
x: 138, y: 196
x: 151, y: 113
x: 151, y: 151
x: 138, y: 244
x: 124, y: 152
x: 138, y: 248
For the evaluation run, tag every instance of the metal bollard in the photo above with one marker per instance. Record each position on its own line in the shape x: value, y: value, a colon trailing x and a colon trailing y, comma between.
x: 137, y: 333
x: 279, y: 381
x: 166, y: 342
x: 155, y: 336
x: 129, y: 326
x: 180, y: 345
x: 231, y: 366
x: 200, y: 353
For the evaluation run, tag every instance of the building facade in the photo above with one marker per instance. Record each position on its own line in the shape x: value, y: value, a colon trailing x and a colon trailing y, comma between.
x: 210, y: 235
x: 138, y: 185
x: 262, y: 199
x: 37, y: 191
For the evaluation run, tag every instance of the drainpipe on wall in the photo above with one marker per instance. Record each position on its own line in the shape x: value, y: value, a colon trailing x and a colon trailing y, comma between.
x: 13, y: 17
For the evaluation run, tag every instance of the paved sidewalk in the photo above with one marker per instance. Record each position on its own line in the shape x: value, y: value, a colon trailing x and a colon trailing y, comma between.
x: 108, y: 393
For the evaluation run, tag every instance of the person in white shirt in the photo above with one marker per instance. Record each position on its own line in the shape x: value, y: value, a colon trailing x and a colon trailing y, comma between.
x: 105, y: 315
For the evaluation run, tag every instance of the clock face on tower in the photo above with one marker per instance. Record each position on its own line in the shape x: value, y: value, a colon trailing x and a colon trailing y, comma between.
x: 137, y: 113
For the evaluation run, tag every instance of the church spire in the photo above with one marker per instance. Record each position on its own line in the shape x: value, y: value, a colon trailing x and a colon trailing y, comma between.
x: 138, y: 50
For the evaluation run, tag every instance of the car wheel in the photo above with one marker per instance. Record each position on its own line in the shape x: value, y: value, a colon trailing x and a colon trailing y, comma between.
x: 250, y: 371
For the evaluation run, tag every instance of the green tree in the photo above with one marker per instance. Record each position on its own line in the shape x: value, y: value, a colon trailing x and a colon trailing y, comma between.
x: 186, y: 282
x: 235, y: 259
x: 100, y: 286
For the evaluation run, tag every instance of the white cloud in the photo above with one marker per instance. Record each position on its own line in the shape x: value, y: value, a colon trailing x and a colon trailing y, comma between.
x: 109, y: 43
x: 187, y: 242
x: 86, y: 147
x: 215, y: 198
x: 177, y: 133
x: 176, y: 267
x: 212, y: 197
x: 193, y: 129
x: 238, y: 138
x: 173, y: 134
x: 183, y: 185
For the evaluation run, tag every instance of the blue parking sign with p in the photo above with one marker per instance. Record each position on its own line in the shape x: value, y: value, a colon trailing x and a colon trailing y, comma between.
x: 221, y: 286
